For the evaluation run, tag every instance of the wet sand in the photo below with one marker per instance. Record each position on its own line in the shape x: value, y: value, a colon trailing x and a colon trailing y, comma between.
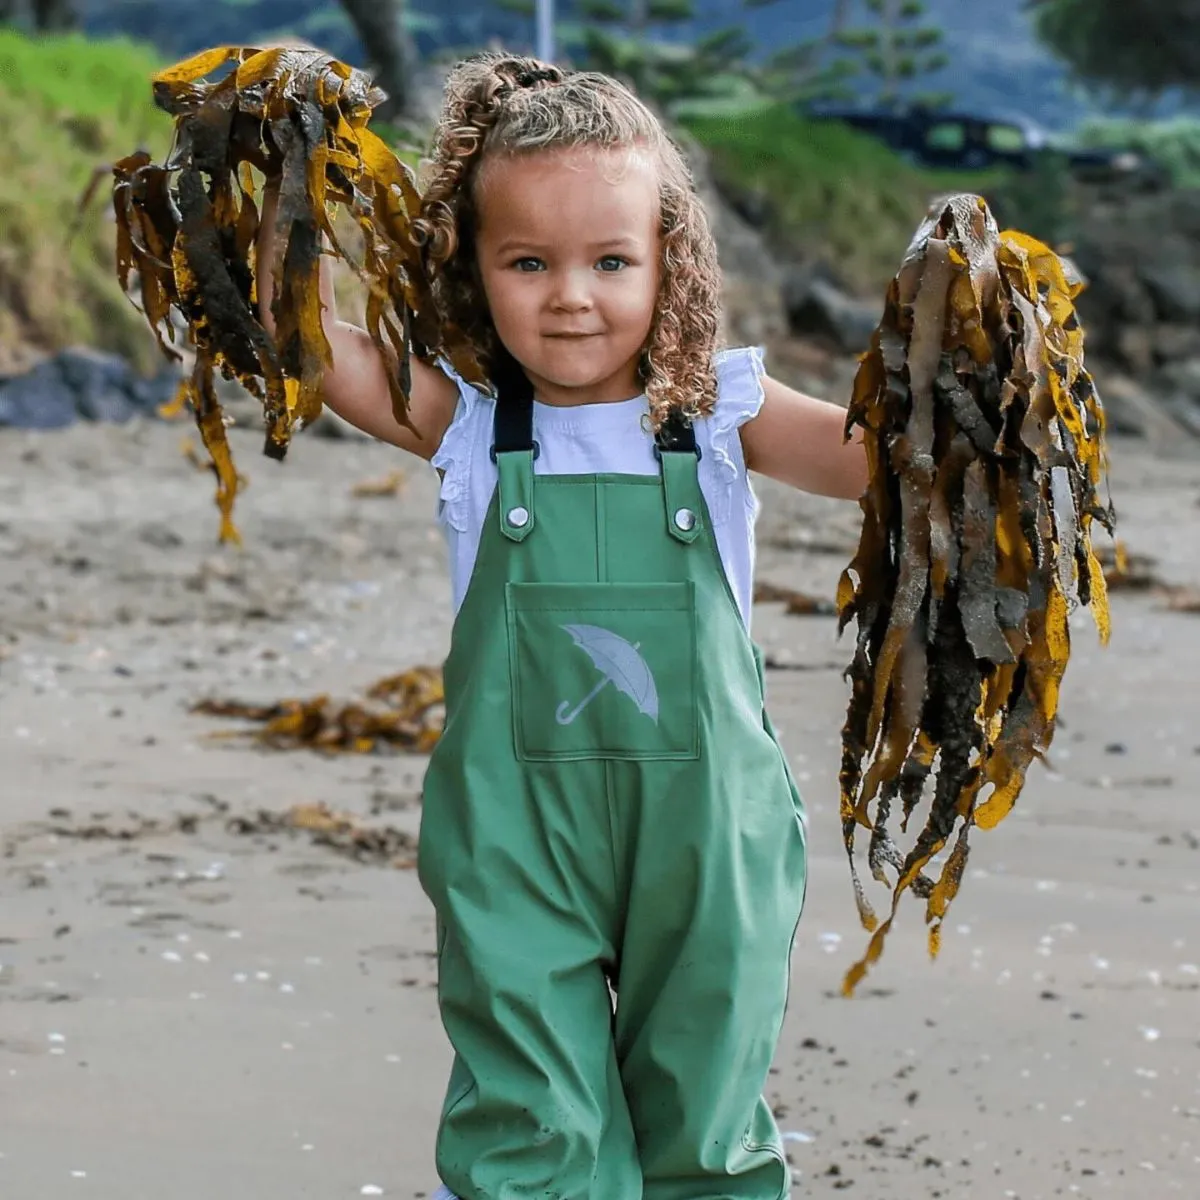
x: 195, y: 1003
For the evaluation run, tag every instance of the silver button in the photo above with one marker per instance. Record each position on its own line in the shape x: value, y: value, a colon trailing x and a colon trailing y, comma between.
x: 518, y: 517
x: 685, y: 519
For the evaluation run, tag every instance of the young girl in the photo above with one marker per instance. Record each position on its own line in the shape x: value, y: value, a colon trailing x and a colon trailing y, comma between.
x: 611, y: 836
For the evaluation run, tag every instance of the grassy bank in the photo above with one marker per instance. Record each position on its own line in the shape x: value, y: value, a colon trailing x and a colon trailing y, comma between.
x: 68, y: 106
x: 833, y: 194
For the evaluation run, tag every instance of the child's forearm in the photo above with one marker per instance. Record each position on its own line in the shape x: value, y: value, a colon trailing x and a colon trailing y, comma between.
x: 800, y: 441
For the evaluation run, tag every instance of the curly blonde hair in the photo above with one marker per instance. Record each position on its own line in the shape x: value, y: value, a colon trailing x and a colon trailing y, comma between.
x: 503, y: 104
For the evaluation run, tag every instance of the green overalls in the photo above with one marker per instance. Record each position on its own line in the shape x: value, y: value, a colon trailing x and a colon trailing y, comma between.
x: 614, y: 846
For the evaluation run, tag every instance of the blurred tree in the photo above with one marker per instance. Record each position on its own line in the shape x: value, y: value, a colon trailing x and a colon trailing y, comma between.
x: 391, y: 52
x: 642, y: 42
x: 54, y: 16
x: 46, y: 16
x: 878, y: 59
x: 665, y: 70
x: 896, y: 49
x: 811, y: 70
x: 1131, y: 46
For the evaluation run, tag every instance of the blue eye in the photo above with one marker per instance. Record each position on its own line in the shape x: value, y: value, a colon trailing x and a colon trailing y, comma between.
x: 611, y: 263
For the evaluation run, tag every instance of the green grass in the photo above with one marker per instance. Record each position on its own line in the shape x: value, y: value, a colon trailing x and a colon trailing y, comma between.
x: 835, y: 194
x: 1175, y: 143
x: 69, y: 106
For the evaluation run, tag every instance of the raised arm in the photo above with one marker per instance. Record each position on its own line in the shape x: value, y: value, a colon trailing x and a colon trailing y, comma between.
x: 355, y: 386
x: 800, y: 441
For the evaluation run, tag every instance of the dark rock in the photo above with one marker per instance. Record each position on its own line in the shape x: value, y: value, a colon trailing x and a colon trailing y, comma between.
x: 1141, y: 257
x: 1175, y: 289
x: 147, y: 395
x: 818, y: 308
x: 1134, y: 343
x: 1134, y: 410
x: 1174, y: 342
x: 39, y: 399
x: 85, y: 369
x: 1182, y: 379
x: 108, y: 404
x: 1178, y: 384
x: 81, y: 383
x: 1140, y: 253
x: 1115, y: 297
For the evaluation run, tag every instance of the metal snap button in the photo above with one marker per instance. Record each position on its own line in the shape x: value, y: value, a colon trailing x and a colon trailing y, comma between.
x: 518, y: 517
x: 685, y: 519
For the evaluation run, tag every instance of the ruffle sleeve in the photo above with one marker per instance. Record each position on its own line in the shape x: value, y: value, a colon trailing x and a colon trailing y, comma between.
x: 739, y: 398
x: 453, y: 457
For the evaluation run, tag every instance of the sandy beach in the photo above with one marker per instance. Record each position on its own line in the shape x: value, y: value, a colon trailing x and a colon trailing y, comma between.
x: 196, y: 1002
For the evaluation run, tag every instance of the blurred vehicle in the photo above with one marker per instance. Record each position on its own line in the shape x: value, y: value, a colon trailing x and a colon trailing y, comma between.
x: 953, y: 140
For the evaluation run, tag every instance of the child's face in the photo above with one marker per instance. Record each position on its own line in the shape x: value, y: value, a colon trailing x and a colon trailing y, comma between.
x: 568, y: 250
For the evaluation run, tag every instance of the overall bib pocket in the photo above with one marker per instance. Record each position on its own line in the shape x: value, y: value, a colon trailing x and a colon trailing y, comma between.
x: 603, y: 670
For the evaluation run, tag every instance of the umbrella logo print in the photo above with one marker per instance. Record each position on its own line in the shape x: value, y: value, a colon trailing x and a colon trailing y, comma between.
x: 619, y: 663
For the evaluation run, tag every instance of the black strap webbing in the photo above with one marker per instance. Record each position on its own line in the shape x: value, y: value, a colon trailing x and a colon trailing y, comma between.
x: 513, y: 429
x: 514, y: 409
x: 676, y: 434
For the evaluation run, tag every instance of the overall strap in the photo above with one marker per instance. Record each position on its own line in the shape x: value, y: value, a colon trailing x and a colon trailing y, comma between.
x: 676, y: 450
x: 513, y: 451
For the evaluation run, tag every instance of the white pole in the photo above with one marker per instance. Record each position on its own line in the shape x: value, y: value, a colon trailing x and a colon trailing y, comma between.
x: 545, y: 30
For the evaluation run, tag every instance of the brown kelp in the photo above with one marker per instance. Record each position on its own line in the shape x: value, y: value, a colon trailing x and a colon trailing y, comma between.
x: 402, y: 713
x: 187, y: 231
x: 985, y: 441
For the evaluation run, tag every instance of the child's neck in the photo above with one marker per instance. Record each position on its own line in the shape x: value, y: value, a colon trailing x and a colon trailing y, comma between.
x: 578, y: 398
x: 617, y: 389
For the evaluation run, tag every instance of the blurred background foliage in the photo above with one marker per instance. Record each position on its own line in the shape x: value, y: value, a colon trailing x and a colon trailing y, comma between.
x: 738, y: 77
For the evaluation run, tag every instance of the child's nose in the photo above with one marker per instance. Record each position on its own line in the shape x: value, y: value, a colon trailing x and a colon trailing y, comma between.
x: 572, y: 291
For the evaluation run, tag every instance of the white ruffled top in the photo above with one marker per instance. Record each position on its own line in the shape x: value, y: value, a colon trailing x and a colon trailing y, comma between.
x: 590, y: 439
